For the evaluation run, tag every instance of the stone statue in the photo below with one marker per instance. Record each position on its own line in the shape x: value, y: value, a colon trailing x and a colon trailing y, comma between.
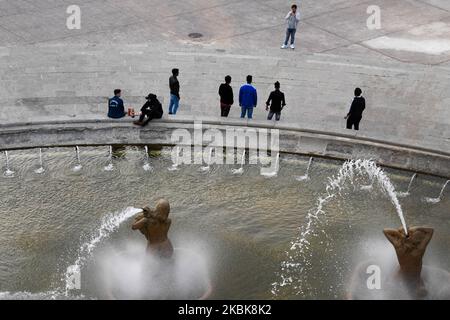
x: 154, y: 225
x: 410, y: 250
x: 409, y: 280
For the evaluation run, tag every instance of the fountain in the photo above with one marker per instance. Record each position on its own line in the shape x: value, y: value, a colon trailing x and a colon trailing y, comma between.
x: 8, y: 171
x: 441, y: 195
x: 410, y: 280
x: 147, y: 166
x: 110, y: 166
x: 175, y: 163
x: 78, y: 166
x: 292, y: 268
x: 407, y: 192
x: 208, y: 166
x: 41, y: 169
x: 305, y: 177
x: 241, y: 169
x: 274, y: 172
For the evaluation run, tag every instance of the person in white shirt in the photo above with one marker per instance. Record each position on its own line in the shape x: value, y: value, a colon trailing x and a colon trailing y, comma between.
x: 292, y: 18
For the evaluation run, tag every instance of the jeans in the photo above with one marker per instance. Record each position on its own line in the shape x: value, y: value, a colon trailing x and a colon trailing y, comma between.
x: 277, y: 115
x: 174, y: 104
x: 248, y: 111
x: 290, y: 33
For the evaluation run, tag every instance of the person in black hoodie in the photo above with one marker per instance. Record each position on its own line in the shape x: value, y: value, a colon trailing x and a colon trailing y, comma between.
x: 226, y: 97
x: 152, y: 109
x: 276, y: 102
x: 354, y: 116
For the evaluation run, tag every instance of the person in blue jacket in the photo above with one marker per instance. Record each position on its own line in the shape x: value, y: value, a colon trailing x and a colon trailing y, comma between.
x: 116, y: 108
x: 248, y: 98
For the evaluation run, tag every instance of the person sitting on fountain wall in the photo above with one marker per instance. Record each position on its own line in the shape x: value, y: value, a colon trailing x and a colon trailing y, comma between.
x: 116, y: 109
x: 152, y: 109
x: 354, y: 116
x: 154, y: 225
x: 276, y: 102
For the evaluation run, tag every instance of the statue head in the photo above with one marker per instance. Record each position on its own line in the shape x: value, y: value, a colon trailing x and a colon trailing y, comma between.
x: 410, y: 248
x: 162, y: 209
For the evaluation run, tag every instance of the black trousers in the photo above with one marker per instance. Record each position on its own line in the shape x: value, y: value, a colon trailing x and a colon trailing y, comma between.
x: 224, y: 109
x: 150, y: 116
x: 353, y: 122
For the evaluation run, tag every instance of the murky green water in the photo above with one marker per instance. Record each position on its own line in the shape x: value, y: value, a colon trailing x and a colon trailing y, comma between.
x: 243, y: 225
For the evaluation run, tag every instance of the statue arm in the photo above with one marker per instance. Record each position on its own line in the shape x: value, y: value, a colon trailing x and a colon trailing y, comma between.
x: 139, y: 224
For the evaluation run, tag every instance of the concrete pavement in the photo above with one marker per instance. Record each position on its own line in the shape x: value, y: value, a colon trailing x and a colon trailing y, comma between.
x: 51, y: 73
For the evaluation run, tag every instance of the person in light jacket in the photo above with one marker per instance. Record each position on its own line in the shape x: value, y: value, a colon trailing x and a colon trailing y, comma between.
x: 292, y: 18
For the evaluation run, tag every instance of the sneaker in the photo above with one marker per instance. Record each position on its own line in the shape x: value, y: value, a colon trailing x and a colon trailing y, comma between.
x: 292, y: 46
x: 284, y: 46
x: 138, y: 123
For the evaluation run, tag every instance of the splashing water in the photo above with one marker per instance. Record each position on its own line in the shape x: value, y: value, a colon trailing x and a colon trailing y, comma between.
x: 208, y: 166
x: 176, y: 158
x: 305, y: 177
x: 439, y: 198
x: 407, y: 192
x: 147, y: 166
x: 274, y: 172
x: 8, y: 171
x: 110, y: 224
x: 241, y: 169
x: 298, y: 261
x: 78, y: 166
x: 110, y: 166
x: 41, y: 169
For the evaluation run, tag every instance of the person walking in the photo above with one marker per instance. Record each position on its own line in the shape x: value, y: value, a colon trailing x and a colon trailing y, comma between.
x: 276, y: 102
x: 174, y: 86
x: 248, y: 98
x: 226, y: 97
x: 354, y: 116
x: 152, y: 109
x: 292, y: 18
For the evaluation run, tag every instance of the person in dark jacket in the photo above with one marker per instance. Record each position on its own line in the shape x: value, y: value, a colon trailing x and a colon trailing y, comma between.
x: 248, y: 98
x: 354, y: 116
x: 276, y: 102
x: 116, y: 109
x: 152, y: 109
x: 226, y: 97
x: 174, y: 86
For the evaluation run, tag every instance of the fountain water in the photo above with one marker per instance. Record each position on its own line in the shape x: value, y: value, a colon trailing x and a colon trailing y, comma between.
x: 78, y: 166
x: 41, y: 169
x: 407, y: 192
x: 147, y: 166
x: 297, y: 256
x: 175, y: 164
x: 274, y: 172
x: 110, y: 166
x: 441, y: 194
x: 8, y: 171
x: 208, y: 166
x: 306, y: 175
x: 241, y: 169
x: 109, y: 225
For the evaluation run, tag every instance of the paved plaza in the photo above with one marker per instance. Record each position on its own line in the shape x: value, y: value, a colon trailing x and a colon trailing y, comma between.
x: 49, y: 72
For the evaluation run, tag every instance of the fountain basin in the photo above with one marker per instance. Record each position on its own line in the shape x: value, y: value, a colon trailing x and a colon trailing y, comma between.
x: 244, y: 224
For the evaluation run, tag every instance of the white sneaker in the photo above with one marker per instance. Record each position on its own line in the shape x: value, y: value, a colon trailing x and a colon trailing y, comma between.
x: 284, y: 46
x: 292, y: 46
